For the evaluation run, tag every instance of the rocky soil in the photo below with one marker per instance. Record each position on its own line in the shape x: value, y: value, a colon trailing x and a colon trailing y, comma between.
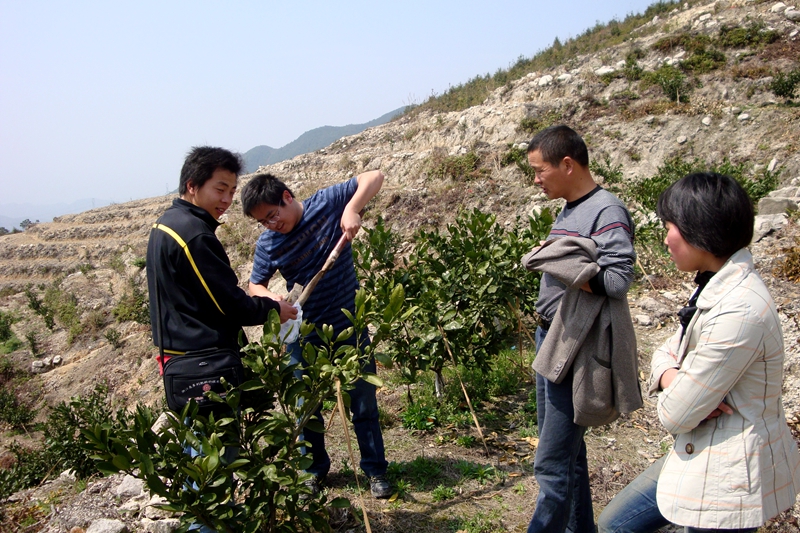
x: 731, y: 115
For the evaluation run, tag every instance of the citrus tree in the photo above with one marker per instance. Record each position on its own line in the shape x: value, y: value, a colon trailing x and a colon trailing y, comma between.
x: 465, y: 289
x: 261, y: 488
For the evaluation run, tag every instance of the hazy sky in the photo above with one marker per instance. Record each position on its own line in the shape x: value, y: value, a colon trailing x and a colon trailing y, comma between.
x: 103, y: 99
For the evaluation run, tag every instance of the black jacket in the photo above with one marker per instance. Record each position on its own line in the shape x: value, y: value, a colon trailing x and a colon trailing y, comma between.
x: 190, y: 319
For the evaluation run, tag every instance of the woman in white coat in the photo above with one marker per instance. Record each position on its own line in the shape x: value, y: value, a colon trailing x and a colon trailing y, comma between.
x: 734, y: 464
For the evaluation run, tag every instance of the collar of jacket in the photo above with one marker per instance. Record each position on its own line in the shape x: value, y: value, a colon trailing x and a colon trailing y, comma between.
x: 199, y: 212
x: 735, y: 269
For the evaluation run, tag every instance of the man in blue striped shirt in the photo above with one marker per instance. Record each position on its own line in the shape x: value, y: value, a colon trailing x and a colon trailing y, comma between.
x: 299, y: 238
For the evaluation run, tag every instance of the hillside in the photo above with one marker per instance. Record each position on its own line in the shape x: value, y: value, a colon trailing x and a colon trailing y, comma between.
x: 437, y: 163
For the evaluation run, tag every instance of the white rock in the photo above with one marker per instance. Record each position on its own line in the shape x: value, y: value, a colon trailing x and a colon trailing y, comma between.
x: 644, y: 320
x: 671, y: 296
x: 704, y: 17
x: 564, y: 78
x: 786, y: 192
x: 153, y: 512
x: 744, y: 117
x: 793, y: 15
x: 37, y: 367
x: 776, y: 206
x: 706, y: 121
x: 104, y: 525
x: 68, y: 475
x: 160, y: 526
x: 682, y: 139
x: 777, y: 8
x: 130, y: 487
x: 766, y: 224
x: 605, y: 70
x: 57, y: 360
x: 545, y: 80
x: 772, y: 164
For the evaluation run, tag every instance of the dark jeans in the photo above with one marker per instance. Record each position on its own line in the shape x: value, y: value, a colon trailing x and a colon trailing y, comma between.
x: 364, y: 411
x: 560, y: 467
x: 634, y: 508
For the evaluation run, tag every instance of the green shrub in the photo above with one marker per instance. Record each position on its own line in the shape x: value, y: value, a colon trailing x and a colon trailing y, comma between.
x: 755, y: 34
x: 33, y: 343
x: 465, y: 288
x: 265, y: 485
x: 419, y: 416
x: 66, y: 422
x: 703, y: 60
x: 133, y: 305
x: 785, y: 84
x: 455, y: 167
x: 12, y: 412
x: 40, y: 308
x: 114, y: 338
x: 518, y: 157
x: 140, y: 262
x: 632, y: 71
x: 31, y: 467
x: 533, y: 125
x: 442, y: 493
x: 611, y: 173
x: 6, y: 319
x: 671, y: 80
x: 64, y: 305
x: 64, y: 446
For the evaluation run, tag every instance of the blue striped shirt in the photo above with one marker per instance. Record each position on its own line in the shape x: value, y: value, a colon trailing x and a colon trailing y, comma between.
x: 301, y: 253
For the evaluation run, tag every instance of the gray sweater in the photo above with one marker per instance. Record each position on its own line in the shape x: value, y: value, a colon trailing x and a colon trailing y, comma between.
x: 591, y: 334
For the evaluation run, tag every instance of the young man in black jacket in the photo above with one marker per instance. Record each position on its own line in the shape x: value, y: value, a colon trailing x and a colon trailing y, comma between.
x: 201, y: 304
x: 195, y: 298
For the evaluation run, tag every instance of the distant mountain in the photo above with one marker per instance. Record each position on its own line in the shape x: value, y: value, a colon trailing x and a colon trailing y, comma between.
x: 13, y: 214
x: 310, y: 141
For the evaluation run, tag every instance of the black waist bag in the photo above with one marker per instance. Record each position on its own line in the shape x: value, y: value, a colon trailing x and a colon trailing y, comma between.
x: 188, y: 376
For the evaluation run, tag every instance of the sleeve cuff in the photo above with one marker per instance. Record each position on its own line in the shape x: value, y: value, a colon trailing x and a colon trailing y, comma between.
x: 597, y: 285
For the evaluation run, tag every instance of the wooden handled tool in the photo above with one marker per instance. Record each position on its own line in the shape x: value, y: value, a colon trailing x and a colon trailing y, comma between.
x: 327, y: 266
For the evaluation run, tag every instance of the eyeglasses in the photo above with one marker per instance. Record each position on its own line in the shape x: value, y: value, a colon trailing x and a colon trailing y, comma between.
x: 272, y: 219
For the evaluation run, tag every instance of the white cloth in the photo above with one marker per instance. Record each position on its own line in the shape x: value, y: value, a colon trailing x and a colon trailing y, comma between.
x: 290, y: 329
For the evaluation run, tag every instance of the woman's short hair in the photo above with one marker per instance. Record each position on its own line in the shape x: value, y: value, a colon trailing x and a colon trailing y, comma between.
x: 712, y: 212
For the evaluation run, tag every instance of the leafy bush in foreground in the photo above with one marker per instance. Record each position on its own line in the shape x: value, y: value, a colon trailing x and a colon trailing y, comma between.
x: 265, y: 417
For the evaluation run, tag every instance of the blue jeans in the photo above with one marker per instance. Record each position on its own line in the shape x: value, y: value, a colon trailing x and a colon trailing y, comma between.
x: 634, y: 509
x: 560, y: 467
x: 364, y: 411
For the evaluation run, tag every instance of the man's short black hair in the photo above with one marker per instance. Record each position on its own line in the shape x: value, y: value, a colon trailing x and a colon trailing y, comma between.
x: 557, y: 142
x: 262, y: 189
x: 202, y: 161
x: 712, y: 212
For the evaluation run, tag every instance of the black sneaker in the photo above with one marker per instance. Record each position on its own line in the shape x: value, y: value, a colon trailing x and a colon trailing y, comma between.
x: 379, y: 487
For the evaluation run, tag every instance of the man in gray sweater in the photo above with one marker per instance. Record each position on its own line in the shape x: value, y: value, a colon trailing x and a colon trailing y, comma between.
x: 560, y: 159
